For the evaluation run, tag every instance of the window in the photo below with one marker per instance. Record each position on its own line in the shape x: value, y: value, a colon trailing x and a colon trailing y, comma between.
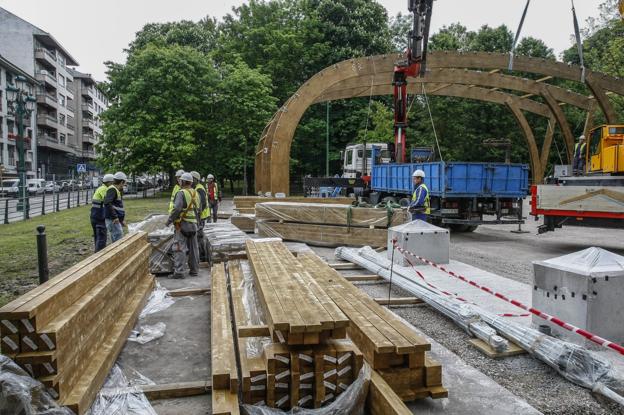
x: 616, y: 130
x: 62, y: 100
x: 61, y: 80
x: 61, y: 119
x: 60, y: 58
x: 11, y: 155
x: 350, y: 157
x: 594, y: 145
x: 62, y: 138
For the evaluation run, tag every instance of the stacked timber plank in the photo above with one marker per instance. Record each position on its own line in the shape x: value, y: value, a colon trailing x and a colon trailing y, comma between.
x: 280, y: 375
x: 244, y: 221
x: 389, y: 345
x: 68, y: 332
x: 247, y: 204
x: 224, y: 241
x: 326, y: 224
x: 161, y: 237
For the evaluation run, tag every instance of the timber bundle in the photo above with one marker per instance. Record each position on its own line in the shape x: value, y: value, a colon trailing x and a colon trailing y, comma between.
x: 68, y: 332
x: 302, y: 333
x: 325, y: 224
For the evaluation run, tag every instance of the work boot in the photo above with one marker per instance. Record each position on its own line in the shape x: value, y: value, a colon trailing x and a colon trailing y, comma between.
x: 193, y: 274
x: 178, y: 276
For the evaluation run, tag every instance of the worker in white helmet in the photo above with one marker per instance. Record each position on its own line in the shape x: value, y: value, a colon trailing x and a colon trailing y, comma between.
x: 578, y: 165
x: 214, y: 196
x: 114, y: 208
x: 175, y: 190
x: 185, y: 216
x: 420, y: 207
x: 98, y: 216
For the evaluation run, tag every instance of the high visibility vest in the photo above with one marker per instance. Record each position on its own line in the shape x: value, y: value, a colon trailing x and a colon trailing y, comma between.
x: 427, y: 204
x: 99, y: 195
x: 206, y: 212
x: 216, y: 191
x: 190, y: 195
x: 118, y: 204
x: 581, y: 147
x: 176, y: 189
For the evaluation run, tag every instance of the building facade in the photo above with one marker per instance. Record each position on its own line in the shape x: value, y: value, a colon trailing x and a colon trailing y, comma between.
x: 90, y: 103
x: 9, y: 157
x: 38, y: 54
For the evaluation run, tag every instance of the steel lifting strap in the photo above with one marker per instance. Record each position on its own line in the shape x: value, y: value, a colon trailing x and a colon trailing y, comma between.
x: 515, y: 42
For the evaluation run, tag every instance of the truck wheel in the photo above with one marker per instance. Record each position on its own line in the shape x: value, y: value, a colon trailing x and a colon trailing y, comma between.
x: 404, y: 202
x: 471, y: 228
x: 463, y: 228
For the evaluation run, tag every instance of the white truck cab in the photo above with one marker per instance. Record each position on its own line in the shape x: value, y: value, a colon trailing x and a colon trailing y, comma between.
x: 353, y: 162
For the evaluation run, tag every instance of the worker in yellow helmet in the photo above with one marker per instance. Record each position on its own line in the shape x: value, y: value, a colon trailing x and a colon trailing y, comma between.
x: 204, y: 214
x: 214, y: 196
x: 578, y: 164
x: 176, y: 189
x: 184, y: 215
x: 98, y: 217
x: 420, y: 206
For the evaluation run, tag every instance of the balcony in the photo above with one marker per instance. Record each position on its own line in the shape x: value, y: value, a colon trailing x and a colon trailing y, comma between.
x: 88, y: 107
x: 70, y: 125
x: 70, y: 107
x: 47, y: 121
x: 88, y: 123
x: 47, y: 99
x: 89, y: 138
x: 46, y: 78
x: 88, y: 92
x: 89, y: 154
x: 51, y: 142
x: 46, y: 57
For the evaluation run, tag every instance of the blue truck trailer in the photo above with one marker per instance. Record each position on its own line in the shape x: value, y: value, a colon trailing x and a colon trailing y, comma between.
x: 461, y: 193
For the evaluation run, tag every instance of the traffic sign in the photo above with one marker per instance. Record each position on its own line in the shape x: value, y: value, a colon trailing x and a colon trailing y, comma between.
x: 81, y: 168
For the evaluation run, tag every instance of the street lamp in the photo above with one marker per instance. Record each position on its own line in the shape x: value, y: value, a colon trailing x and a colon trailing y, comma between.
x: 21, y: 104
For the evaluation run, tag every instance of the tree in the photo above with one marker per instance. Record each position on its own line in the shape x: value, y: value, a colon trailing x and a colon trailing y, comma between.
x: 381, y: 125
x: 201, y: 36
x: 159, y: 113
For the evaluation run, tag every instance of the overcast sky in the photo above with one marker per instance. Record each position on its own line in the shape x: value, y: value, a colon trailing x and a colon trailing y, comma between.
x: 95, y: 31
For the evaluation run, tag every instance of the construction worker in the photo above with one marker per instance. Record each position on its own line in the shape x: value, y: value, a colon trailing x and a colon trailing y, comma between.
x: 420, y: 207
x: 114, y: 208
x: 176, y: 189
x: 214, y: 196
x: 184, y: 215
x: 204, y: 213
x: 578, y: 165
x: 98, y: 216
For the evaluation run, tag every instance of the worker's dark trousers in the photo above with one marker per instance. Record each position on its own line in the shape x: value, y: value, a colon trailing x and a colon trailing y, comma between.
x: 578, y: 166
x: 213, y: 210
x: 99, y: 233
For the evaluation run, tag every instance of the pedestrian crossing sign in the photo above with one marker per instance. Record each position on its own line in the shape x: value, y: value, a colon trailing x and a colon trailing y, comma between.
x: 81, y: 168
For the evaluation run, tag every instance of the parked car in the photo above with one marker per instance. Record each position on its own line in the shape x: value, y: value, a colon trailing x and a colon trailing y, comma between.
x: 52, y: 187
x: 10, y: 188
x: 36, y: 186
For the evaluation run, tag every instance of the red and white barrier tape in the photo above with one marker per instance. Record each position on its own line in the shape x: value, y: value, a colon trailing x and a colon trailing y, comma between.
x: 451, y: 294
x: 589, y: 336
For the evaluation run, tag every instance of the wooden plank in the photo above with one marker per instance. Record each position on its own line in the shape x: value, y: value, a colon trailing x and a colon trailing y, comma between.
x: 363, y: 278
x: 80, y: 399
x: 250, y: 201
x: 344, y: 266
x: 329, y: 214
x: 486, y: 349
x: 382, y: 400
x: 399, y: 301
x: 224, y: 402
x: 176, y: 390
x: 323, y: 235
x: 184, y: 292
x: 223, y: 359
x: 246, y: 223
x: 254, y: 331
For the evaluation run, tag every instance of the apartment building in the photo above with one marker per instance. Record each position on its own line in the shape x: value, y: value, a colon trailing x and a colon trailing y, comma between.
x: 9, y: 157
x: 90, y: 103
x: 41, y: 56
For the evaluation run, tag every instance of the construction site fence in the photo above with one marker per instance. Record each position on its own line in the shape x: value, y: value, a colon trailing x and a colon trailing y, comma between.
x: 15, y: 209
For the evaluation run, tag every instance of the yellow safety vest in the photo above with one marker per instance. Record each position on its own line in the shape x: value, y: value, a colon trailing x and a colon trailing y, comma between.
x: 190, y: 195
x: 99, y: 194
x: 576, y: 147
x: 176, y: 189
x: 427, y: 202
x: 206, y: 212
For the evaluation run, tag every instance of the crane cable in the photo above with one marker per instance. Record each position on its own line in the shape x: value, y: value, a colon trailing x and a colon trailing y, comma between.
x: 435, y: 134
x: 370, y: 99
x: 513, y: 46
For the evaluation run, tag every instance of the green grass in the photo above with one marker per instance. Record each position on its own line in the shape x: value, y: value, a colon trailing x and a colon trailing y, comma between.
x: 70, y: 240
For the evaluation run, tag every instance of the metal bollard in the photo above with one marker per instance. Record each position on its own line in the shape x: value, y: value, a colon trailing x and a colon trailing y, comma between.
x: 68, y: 198
x: 78, y: 199
x: 6, y: 212
x: 42, y: 254
x: 58, y: 197
x: 43, y: 204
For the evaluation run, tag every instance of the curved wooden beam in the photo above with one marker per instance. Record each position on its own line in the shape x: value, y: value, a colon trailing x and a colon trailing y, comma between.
x: 561, y: 120
x: 536, y: 167
x: 547, y: 144
x: 601, y: 97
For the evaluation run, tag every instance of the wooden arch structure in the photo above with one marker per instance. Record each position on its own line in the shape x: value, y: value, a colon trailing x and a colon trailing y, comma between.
x: 466, y: 75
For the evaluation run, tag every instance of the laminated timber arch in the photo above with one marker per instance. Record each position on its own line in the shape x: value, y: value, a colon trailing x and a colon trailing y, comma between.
x: 448, y: 75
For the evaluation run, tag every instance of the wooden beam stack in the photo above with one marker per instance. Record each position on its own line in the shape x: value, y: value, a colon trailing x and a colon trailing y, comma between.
x: 326, y: 224
x: 68, y: 332
x: 247, y: 204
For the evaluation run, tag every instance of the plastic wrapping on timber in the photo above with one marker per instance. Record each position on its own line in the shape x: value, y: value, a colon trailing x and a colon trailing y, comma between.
x: 159, y: 300
x: 573, y: 362
x: 153, y: 224
x: 121, y: 396
x: 253, y: 312
x: 329, y: 214
x: 21, y: 394
x: 224, y: 238
x: 146, y: 333
x: 351, y: 402
x: 460, y: 312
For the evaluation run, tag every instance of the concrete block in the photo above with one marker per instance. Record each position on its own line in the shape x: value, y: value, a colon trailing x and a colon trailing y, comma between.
x: 586, y: 289
x: 421, y: 238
